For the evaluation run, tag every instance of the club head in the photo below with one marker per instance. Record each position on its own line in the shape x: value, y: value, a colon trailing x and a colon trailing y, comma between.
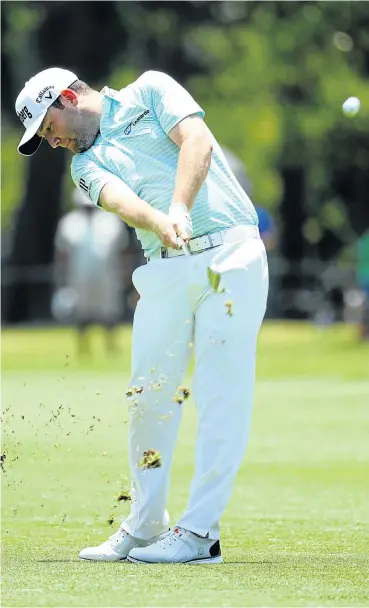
x: 214, y: 278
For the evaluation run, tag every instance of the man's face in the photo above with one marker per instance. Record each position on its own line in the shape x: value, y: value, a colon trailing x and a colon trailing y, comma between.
x: 72, y: 127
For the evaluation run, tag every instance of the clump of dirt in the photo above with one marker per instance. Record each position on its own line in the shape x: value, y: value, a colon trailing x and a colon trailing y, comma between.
x: 151, y: 460
x: 134, y: 390
x: 181, y: 395
x: 124, y: 496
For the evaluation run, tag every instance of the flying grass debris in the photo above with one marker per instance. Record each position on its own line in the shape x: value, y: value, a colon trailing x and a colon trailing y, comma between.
x: 167, y: 416
x: 156, y: 385
x: 55, y: 415
x: 151, y: 460
x: 229, y: 307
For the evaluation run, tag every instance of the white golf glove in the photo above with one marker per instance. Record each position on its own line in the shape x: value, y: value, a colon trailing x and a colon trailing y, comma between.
x: 180, y: 216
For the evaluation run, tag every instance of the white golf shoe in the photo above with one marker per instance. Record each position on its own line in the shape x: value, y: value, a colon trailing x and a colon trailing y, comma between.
x: 178, y: 546
x: 115, y: 548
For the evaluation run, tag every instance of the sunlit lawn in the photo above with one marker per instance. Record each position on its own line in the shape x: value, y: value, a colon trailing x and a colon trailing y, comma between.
x: 296, y: 532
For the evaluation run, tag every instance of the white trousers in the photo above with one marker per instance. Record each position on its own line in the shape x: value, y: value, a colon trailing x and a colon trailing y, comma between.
x: 177, y: 307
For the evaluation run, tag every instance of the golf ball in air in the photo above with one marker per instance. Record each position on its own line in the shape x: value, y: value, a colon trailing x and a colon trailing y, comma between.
x: 351, y: 106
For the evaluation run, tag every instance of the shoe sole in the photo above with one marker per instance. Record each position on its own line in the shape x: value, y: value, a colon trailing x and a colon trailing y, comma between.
x: 209, y: 560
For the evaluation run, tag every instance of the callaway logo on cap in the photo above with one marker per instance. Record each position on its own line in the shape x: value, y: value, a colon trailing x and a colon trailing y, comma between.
x: 34, y: 100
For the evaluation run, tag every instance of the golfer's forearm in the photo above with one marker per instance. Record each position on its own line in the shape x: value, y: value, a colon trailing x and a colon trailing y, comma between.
x: 193, y: 165
x: 132, y: 209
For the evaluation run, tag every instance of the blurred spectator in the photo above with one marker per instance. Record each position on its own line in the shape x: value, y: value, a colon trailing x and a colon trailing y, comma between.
x: 266, y: 228
x: 89, y: 270
x: 362, y: 273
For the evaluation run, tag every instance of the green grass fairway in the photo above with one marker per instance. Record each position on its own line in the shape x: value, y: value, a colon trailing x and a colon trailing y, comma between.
x: 296, y: 532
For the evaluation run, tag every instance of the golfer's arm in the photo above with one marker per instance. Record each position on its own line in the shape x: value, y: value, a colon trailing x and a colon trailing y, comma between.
x: 119, y: 198
x: 193, y: 137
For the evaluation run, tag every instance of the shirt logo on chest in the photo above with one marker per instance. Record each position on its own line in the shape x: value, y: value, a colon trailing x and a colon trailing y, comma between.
x: 128, y: 128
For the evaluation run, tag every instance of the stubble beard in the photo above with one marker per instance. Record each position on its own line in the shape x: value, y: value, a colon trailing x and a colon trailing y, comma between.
x: 85, y: 130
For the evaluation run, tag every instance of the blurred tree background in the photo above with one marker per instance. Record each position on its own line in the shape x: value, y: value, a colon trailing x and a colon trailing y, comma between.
x: 271, y: 76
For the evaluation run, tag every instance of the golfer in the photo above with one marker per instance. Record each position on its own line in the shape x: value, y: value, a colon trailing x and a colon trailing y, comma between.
x: 146, y: 154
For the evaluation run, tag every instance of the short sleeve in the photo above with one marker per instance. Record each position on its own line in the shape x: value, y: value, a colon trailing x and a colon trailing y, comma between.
x: 90, y: 178
x: 169, y: 100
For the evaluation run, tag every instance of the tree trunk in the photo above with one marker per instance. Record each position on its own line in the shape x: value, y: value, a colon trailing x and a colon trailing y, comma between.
x: 292, y: 213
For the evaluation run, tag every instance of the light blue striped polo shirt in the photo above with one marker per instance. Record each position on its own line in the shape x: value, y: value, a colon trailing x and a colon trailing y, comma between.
x: 133, y: 146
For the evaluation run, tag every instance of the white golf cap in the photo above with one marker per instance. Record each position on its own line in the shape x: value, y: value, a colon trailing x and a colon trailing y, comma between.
x: 34, y: 100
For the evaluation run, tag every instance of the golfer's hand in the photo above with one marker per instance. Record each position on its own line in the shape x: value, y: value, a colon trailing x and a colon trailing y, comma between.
x: 181, y: 219
x: 166, y: 230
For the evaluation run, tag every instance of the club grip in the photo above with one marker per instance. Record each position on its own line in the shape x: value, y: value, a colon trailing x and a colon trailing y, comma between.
x: 182, y: 245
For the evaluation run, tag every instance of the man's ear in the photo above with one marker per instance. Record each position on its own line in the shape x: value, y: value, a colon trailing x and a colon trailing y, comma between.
x: 70, y: 96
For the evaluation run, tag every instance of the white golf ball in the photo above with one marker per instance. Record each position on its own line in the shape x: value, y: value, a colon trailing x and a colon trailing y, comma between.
x: 351, y: 106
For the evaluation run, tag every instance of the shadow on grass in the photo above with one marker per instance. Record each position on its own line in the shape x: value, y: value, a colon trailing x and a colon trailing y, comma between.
x: 247, y: 563
x: 124, y: 561
x: 58, y: 561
